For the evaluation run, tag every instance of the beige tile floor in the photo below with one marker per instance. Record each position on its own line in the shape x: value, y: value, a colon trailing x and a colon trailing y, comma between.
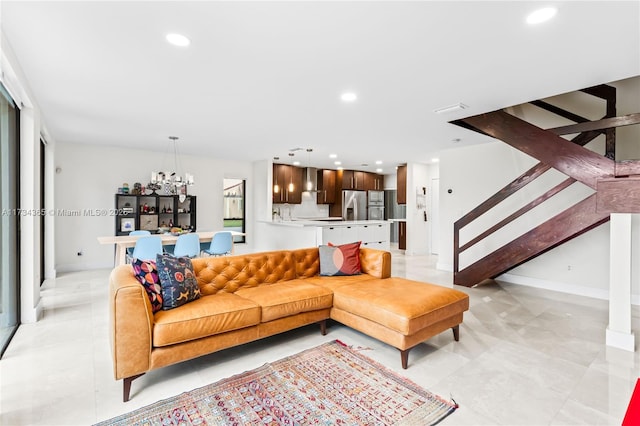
x: 526, y: 356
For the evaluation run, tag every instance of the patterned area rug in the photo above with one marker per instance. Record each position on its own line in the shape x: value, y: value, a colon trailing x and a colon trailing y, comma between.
x: 327, y: 385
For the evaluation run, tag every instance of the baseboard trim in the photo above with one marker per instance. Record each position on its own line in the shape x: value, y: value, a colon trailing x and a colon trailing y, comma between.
x: 596, y: 293
x: 32, y: 315
x: 74, y: 267
x: 444, y: 266
x: 620, y: 340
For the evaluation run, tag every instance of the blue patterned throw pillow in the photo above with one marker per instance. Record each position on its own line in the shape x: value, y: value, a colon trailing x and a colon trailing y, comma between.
x: 179, y: 285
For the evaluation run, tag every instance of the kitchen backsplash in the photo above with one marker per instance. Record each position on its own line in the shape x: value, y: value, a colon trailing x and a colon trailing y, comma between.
x: 307, y: 209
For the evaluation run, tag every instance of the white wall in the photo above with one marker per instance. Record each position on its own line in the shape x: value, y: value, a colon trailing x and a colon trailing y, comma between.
x: 88, y: 178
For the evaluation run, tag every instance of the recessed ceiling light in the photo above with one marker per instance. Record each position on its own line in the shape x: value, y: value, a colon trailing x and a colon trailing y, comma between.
x: 333, y: 155
x: 378, y: 161
x: 435, y: 160
x: 178, y: 40
x: 348, y: 97
x: 379, y: 170
x: 541, y: 15
x: 340, y: 168
x: 337, y: 163
x: 296, y: 163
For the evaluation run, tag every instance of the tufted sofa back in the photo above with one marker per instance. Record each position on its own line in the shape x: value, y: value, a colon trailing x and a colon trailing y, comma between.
x: 229, y: 273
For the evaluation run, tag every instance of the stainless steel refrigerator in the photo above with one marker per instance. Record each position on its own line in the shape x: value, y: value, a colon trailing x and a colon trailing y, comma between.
x: 375, y: 206
x: 354, y: 205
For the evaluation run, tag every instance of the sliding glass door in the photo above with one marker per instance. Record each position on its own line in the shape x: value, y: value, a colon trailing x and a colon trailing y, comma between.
x: 9, y: 204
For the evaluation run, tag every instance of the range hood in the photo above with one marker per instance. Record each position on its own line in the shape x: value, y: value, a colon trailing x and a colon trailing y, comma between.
x: 310, y: 179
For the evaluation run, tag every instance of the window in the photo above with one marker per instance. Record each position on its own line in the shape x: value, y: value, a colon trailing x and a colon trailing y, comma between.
x: 9, y: 204
x: 234, y: 207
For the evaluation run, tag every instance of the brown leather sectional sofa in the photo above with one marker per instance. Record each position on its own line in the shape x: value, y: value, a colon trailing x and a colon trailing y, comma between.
x: 248, y: 297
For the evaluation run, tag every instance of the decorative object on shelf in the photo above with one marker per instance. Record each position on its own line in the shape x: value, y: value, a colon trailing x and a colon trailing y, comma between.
x: 153, y: 187
x: 137, y: 188
x: 149, y: 222
x: 124, y: 189
x: 172, y: 182
x: 128, y: 225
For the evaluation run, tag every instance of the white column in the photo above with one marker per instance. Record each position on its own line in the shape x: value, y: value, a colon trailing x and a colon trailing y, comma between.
x: 619, y: 333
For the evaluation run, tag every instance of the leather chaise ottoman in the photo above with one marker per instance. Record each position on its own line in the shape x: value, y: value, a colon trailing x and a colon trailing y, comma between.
x: 398, y: 311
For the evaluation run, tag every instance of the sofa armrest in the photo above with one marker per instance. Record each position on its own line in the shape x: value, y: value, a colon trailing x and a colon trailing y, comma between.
x: 376, y: 263
x: 130, y: 323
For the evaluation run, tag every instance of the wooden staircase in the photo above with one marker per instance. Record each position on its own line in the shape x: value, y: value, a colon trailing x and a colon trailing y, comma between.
x: 615, y: 187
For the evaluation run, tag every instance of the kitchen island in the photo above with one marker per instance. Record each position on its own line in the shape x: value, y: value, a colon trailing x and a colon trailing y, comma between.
x: 292, y: 234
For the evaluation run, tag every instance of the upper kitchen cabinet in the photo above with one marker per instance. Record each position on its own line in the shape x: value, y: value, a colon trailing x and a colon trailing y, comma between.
x: 402, y: 184
x: 295, y: 192
x: 326, y: 187
x: 373, y: 182
x: 353, y: 179
x: 287, y: 184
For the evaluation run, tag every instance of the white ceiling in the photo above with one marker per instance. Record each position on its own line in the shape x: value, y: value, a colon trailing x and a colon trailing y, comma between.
x: 263, y: 77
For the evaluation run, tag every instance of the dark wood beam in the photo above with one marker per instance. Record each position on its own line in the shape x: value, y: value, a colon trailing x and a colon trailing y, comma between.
x: 603, y: 124
x: 601, y: 91
x: 618, y: 195
x: 610, y: 144
x: 628, y: 168
x: 569, y: 158
x: 559, y: 111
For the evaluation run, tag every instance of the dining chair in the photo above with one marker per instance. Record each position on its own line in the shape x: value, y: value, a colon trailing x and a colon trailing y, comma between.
x: 221, y: 244
x: 130, y: 249
x: 147, y: 248
x: 187, y: 245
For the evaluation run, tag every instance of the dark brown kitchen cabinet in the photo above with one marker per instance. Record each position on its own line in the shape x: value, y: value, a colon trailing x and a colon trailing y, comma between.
x: 353, y: 180
x: 326, y: 187
x: 287, y: 184
x: 279, y: 178
x: 402, y: 184
x: 373, y: 182
x: 402, y: 235
x: 294, y: 194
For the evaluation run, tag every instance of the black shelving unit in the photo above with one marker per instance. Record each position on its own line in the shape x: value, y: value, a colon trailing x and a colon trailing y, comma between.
x: 150, y: 212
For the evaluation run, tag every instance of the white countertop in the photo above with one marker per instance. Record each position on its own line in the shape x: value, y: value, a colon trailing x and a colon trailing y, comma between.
x: 397, y: 220
x: 324, y: 219
x: 325, y: 223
